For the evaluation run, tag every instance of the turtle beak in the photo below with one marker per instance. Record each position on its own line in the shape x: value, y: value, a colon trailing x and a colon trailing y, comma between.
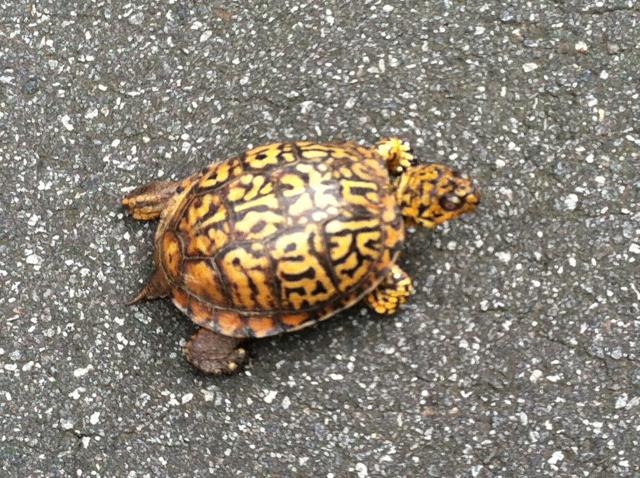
x: 473, y: 198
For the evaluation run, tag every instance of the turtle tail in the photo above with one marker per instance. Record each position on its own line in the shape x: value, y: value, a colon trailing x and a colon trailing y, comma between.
x: 156, y: 287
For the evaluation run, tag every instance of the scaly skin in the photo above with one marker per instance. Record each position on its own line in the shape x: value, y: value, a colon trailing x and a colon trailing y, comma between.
x: 397, y: 153
x: 430, y: 194
x: 214, y: 353
x: 391, y: 293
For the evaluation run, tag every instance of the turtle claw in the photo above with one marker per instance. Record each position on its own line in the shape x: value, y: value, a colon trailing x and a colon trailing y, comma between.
x: 391, y: 293
x: 397, y: 153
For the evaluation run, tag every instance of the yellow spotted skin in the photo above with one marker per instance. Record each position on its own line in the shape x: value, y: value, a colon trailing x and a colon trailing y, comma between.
x: 391, y: 293
x: 280, y: 237
x: 397, y: 153
x: 430, y: 194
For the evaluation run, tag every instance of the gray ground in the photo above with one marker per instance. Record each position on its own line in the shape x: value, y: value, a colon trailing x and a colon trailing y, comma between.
x: 518, y: 356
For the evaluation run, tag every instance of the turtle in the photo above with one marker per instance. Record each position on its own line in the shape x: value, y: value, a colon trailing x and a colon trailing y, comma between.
x: 287, y: 234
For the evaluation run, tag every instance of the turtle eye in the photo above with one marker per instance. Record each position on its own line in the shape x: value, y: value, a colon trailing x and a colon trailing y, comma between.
x: 450, y: 202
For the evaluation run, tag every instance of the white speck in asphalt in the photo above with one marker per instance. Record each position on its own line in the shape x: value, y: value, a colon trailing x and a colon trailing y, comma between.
x: 94, y: 418
x: 66, y: 423
x: 76, y: 393
x: 524, y: 420
x: 634, y: 402
x: 91, y: 113
x: 621, y: 401
x: 504, y: 256
x: 66, y: 122
x: 34, y: 259
x: 527, y: 67
x: 571, y: 201
x: 136, y: 18
x: 556, y: 457
x: 633, y: 139
x: 270, y: 396
x: 329, y: 17
x: 535, y: 375
x: 361, y: 469
x: 79, y: 372
x: 581, y: 47
x: 208, y: 395
x: 306, y: 106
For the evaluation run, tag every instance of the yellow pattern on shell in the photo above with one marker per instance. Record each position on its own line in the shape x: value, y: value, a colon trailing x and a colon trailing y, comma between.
x: 283, y: 236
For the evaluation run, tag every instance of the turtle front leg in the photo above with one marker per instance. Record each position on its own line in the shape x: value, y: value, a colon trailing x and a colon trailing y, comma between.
x: 148, y: 201
x: 214, y: 353
x: 391, y: 293
x: 397, y: 153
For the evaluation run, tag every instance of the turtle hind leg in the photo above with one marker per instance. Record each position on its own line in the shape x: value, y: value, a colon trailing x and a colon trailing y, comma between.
x: 155, y: 288
x: 147, y: 202
x: 214, y: 353
x: 391, y: 293
x: 397, y: 153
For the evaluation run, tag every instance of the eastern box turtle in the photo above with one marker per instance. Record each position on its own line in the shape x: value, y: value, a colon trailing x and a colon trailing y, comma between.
x: 288, y: 234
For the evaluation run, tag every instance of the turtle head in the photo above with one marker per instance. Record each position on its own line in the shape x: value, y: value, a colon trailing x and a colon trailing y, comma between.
x: 431, y: 194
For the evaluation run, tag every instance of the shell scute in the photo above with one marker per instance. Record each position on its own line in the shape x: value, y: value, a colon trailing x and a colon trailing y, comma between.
x: 269, y: 156
x: 247, y: 272
x: 218, y: 174
x: 202, y: 279
x: 300, y: 269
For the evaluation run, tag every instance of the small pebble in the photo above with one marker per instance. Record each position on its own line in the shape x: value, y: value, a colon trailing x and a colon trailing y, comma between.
x: 581, y: 47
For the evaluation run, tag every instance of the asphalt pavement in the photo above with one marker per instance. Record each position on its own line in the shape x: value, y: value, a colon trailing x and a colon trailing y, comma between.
x: 519, y: 355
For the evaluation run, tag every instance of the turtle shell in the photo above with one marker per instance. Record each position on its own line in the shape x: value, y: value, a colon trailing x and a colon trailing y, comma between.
x: 279, y: 237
